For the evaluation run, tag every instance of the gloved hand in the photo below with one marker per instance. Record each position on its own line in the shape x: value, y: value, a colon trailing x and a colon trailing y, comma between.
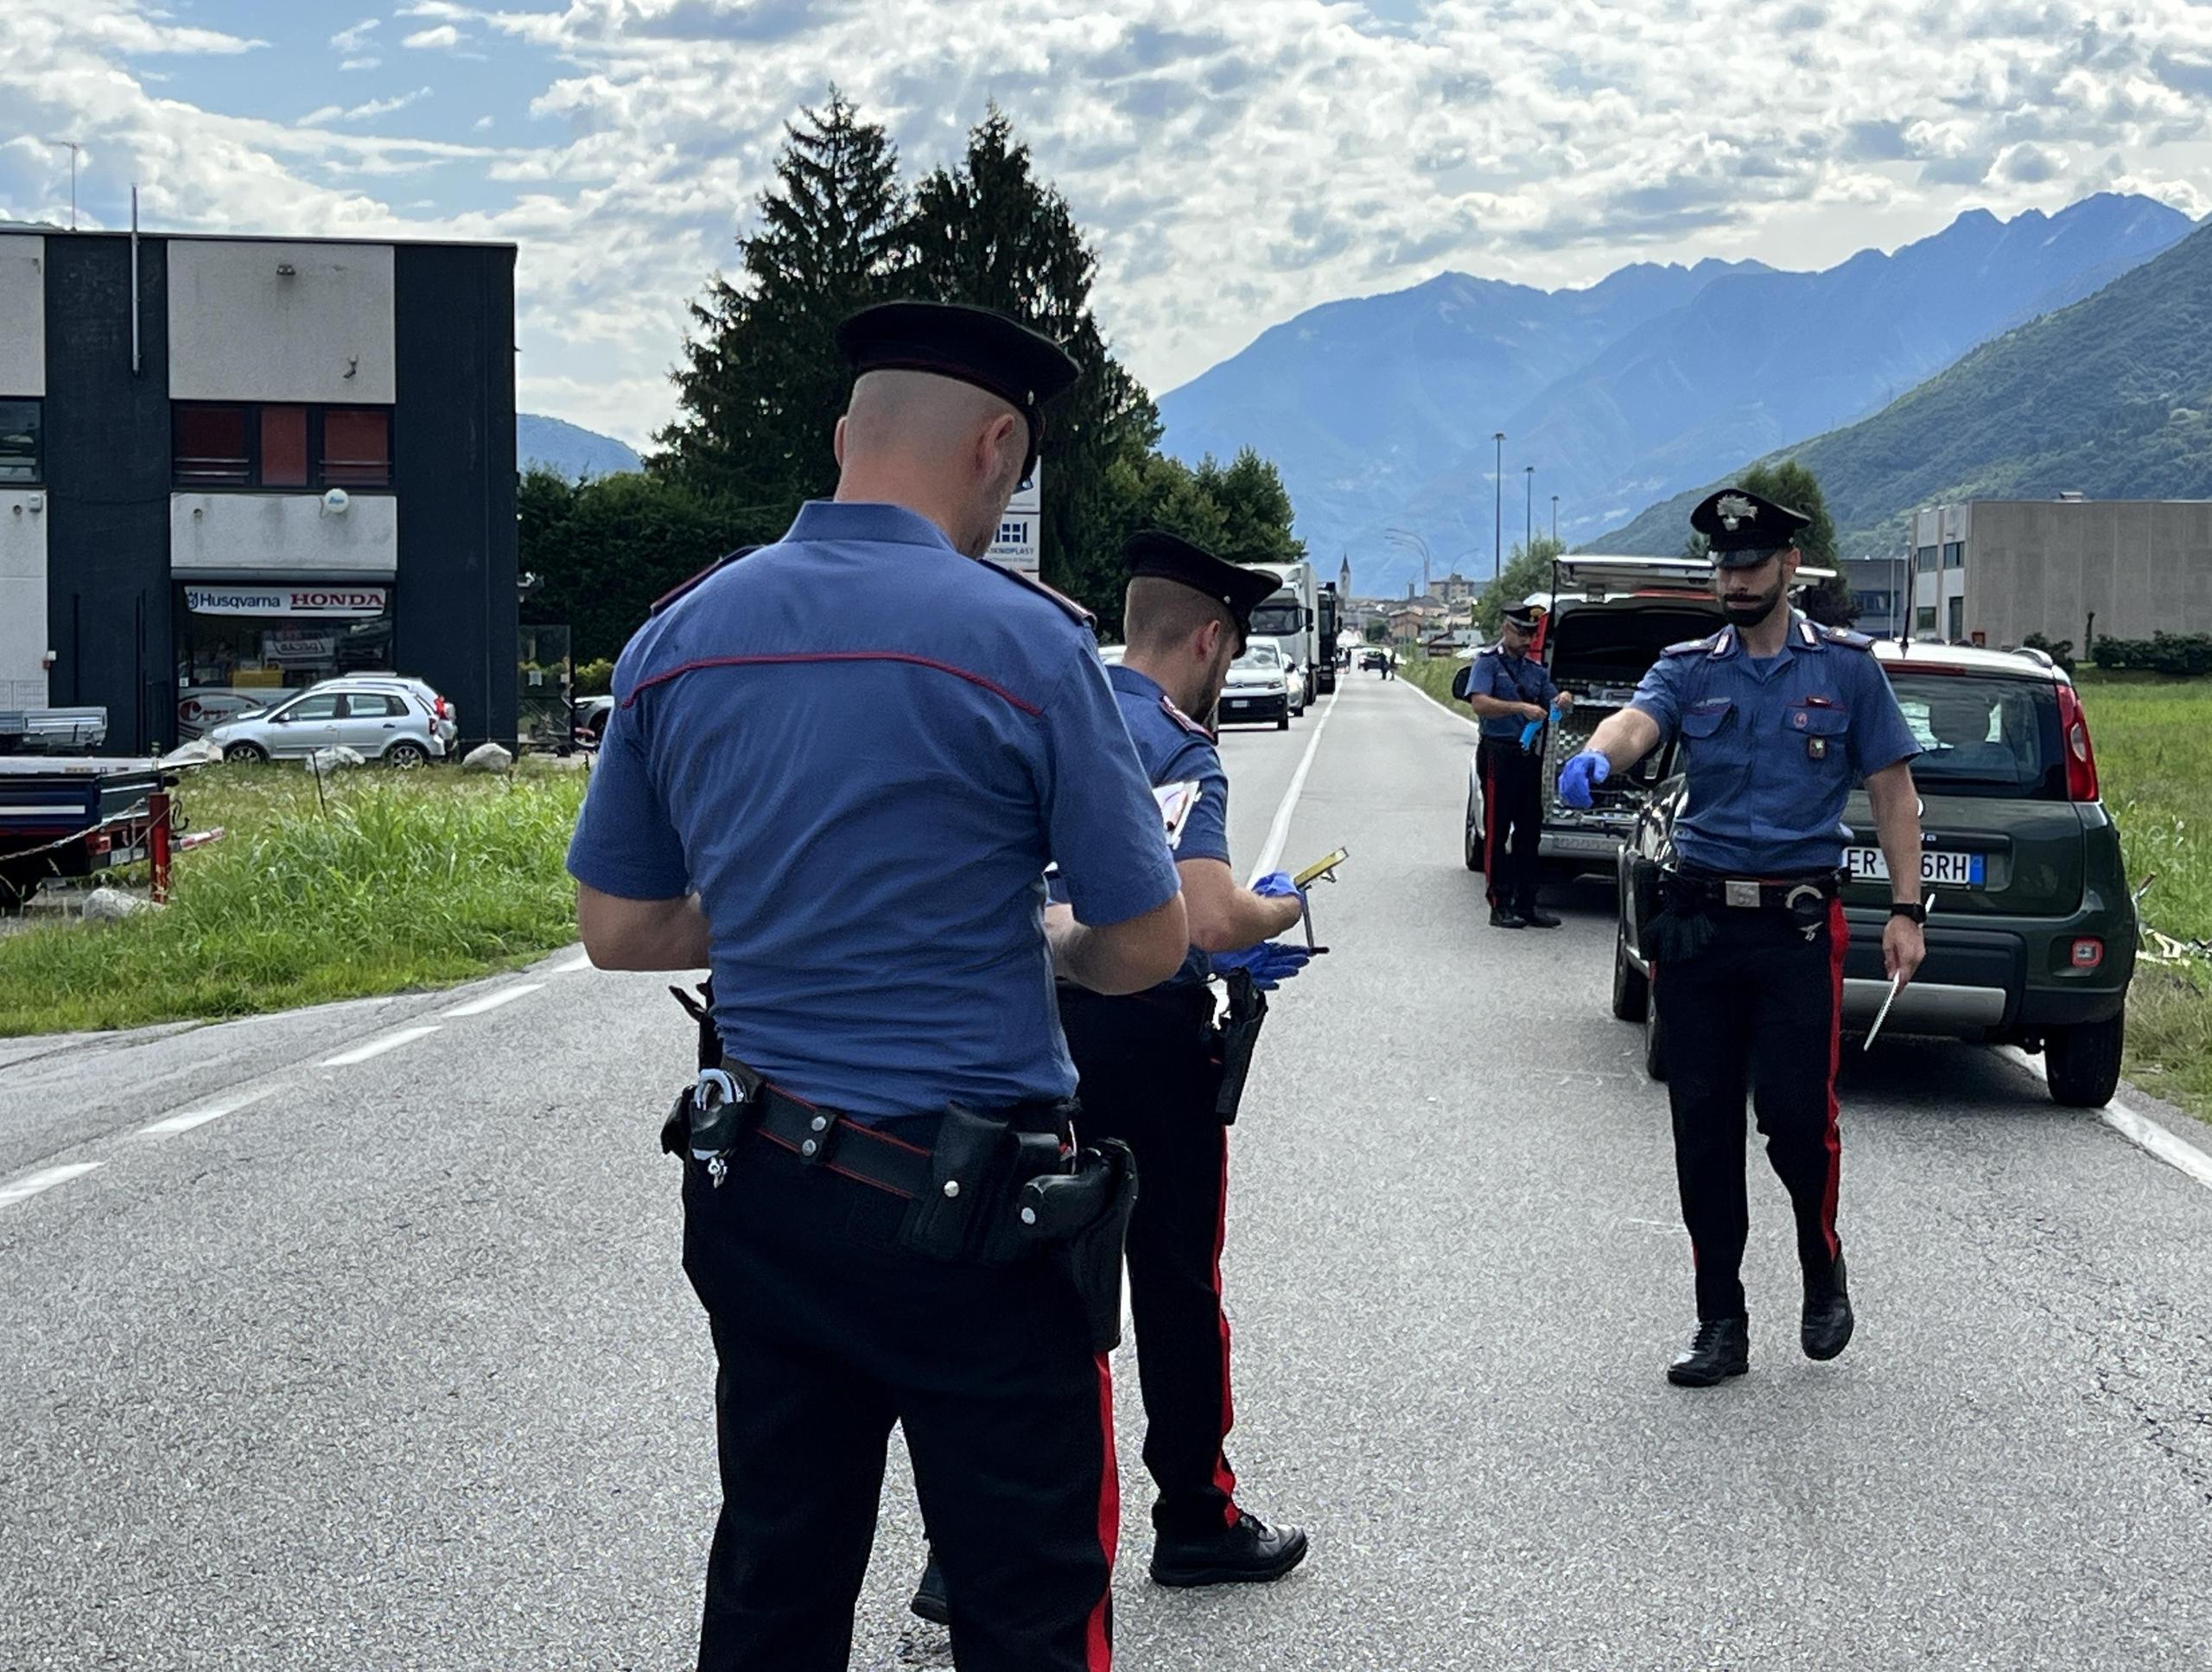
x: 1528, y: 731
x: 1277, y: 885
x: 1583, y: 773
x: 1270, y: 963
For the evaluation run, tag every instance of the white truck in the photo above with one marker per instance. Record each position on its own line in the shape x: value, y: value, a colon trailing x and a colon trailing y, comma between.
x: 1289, y: 617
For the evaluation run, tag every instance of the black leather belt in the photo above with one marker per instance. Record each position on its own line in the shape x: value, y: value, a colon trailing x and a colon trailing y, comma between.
x: 1751, y: 893
x: 835, y: 1143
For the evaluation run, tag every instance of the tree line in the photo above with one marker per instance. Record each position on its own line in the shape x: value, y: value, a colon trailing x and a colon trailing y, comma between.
x: 761, y: 384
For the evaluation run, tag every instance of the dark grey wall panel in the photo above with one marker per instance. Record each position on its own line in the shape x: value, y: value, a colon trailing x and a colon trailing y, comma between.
x: 107, y: 464
x: 453, y: 469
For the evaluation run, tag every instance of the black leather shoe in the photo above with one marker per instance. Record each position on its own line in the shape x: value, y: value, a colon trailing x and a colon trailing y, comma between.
x: 1250, y: 1553
x: 1826, y: 1329
x: 930, y: 1601
x: 1504, y: 917
x: 1721, y: 1348
x: 1536, y: 917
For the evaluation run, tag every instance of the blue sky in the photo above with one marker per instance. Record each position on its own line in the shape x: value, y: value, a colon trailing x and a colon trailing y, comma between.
x: 1235, y: 161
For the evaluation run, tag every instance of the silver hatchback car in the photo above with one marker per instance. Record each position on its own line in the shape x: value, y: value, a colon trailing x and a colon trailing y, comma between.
x: 381, y: 718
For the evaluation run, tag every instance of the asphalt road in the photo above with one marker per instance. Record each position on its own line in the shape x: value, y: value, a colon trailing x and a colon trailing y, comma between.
x: 394, y: 1367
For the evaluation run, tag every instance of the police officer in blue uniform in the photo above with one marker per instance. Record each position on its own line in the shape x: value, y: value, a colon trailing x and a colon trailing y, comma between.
x: 1508, y: 688
x: 1151, y: 1067
x: 836, y: 773
x: 1778, y: 719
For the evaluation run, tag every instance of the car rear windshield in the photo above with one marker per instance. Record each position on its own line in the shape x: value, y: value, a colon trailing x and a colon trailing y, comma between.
x: 1616, y: 643
x: 1983, y: 735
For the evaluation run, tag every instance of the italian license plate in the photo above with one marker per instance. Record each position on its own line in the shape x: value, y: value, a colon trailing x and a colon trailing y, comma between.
x: 1943, y: 869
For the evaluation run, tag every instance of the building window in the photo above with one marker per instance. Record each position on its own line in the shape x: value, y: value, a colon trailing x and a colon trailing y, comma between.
x: 1923, y: 618
x: 281, y: 447
x: 19, y: 442
x: 1955, y: 554
x: 1958, y: 608
x: 1927, y: 560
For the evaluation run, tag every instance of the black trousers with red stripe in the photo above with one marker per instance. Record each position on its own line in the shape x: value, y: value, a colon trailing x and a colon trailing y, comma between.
x: 1758, y: 1009
x: 1513, y: 820
x: 827, y: 1334
x: 1146, y: 1078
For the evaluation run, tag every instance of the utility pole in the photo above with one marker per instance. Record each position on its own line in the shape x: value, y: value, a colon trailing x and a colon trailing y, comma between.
x: 1497, y: 544
x: 74, y: 148
x: 1528, y: 508
x: 1555, y: 519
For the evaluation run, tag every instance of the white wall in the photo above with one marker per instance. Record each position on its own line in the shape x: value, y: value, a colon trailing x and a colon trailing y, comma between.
x: 239, y: 330
x: 22, y: 597
x: 286, y: 534
x: 22, y: 314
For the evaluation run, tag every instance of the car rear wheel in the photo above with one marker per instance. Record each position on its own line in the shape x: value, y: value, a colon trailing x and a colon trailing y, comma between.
x: 1631, y: 988
x: 1473, y: 842
x: 406, y: 755
x: 247, y: 753
x: 1655, y: 1043
x: 1283, y: 721
x: 2083, y: 1062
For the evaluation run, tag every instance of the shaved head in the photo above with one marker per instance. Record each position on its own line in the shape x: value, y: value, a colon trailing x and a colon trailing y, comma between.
x: 943, y: 449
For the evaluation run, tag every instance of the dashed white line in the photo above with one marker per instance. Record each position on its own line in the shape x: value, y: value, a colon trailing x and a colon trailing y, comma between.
x: 1278, y: 832
x: 493, y: 1001
x: 361, y: 1053
x: 2140, y: 1130
x: 30, y: 1183
x: 185, y: 1120
x: 570, y: 966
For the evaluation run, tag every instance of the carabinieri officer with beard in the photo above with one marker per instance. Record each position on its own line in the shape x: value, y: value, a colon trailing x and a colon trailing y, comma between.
x: 1777, y: 718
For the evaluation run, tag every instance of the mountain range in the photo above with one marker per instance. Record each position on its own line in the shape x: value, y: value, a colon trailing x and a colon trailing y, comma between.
x: 568, y: 450
x: 2111, y: 397
x: 1380, y: 411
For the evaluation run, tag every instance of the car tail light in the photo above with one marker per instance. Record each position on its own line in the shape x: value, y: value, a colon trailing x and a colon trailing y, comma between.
x: 445, y: 710
x: 2081, y: 755
x: 2088, y: 954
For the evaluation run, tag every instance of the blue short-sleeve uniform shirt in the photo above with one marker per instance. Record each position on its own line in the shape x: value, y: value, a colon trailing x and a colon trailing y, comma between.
x: 1509, y: 679
x: 1773, y: 748
x: 861, y: 749
x: 1173, y: 748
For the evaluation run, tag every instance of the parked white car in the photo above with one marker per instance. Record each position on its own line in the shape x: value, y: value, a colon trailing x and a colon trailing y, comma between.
x: 382, y: 718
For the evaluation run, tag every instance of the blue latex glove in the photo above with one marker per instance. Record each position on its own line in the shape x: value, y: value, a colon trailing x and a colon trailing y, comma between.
x: 1277, y: 885
x: 1270, y: 963
x: 1581, y: 774
x: 1528, y: 731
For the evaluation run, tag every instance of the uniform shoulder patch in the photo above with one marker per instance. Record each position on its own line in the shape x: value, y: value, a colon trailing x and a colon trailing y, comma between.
x: 696, y: 580
x: 1845, y: 637
x: 1692, y: 646
x: 1185, y: 721
x: 1066, y: 603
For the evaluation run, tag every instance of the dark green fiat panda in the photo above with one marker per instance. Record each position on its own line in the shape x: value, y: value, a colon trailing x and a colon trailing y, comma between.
x: 2032, y: 940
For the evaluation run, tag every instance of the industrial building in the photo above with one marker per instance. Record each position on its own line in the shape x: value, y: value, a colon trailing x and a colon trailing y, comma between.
x: 231, y: 465
x: 1995, y: 571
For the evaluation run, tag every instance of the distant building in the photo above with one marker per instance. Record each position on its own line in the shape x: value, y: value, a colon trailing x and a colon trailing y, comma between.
x: 229, y: 466
x: 1343, y: 578
x: 1457, y: 588
x: 1994, y: 571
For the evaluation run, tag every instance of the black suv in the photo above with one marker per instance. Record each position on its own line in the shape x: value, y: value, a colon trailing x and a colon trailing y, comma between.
x: 2032, y: 938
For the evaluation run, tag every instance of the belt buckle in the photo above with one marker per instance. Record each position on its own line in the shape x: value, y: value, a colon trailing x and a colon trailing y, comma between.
x: 1741, y: 895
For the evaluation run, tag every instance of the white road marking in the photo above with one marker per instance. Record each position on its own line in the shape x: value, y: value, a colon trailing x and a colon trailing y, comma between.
x: 31, y: 1184
x: 493, y: 1000
x: 1278, y: 832
x: 2140, y: 1130
x: 361, y: 1053
x: 185, y: 1120
x: 570, y: 966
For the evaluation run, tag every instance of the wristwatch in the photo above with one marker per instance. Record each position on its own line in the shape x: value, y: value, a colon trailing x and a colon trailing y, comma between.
x: 1909, y: 908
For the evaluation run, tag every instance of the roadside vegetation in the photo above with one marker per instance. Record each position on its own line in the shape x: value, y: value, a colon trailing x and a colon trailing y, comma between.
x: 1432, y: 674
x: 387, y: 882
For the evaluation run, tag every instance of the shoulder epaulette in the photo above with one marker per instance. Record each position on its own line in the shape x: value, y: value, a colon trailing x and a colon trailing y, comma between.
x: 1692, y: 646
x: 713, y: 568
x: 1185, y: 721
x: 1846, y: 637
x: 1066, y: 603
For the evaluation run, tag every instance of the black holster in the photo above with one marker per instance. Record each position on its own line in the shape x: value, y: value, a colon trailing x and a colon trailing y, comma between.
x: 1233, y: 1040
x: 1082, y: 1217
x: 976, y: 1165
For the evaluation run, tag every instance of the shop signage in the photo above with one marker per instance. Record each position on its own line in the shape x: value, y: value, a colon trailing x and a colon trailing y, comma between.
x: 281, y: 600
x: 1016, y: 547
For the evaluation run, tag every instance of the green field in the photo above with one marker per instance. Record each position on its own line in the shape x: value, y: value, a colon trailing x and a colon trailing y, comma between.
x: 391, y: 881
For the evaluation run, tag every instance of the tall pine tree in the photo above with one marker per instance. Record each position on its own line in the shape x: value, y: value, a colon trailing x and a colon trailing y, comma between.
x: 992, y: 234
x: 762, y: 384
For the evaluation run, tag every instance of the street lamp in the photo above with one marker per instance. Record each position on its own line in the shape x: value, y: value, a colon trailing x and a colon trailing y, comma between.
x: 1555, y: 519
x: 1527, y: 508
x: 1406, y: 540
x: 1498, y: 538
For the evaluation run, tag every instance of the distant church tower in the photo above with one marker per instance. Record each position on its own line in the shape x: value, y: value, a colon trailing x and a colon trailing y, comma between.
x: 1343, y: 579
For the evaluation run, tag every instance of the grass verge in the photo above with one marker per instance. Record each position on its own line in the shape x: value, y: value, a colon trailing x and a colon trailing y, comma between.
x: 1434, y: 674
x: 394, y: 882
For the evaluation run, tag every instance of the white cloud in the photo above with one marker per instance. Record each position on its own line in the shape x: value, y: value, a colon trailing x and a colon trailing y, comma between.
x: 480, y: 124
x: 360, y: 64
x: 354, y: 39
x: 1234, y: 162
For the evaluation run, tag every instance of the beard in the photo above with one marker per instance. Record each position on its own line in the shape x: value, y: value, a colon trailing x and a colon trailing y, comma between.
x: 1748, y: 612
x: 1207, y: 695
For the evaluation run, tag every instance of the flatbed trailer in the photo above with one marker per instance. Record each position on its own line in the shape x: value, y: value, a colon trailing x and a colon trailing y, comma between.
x: 75, y: 816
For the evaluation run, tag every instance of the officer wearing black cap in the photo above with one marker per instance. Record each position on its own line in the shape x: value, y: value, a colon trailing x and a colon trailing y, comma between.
x: 1151, y: 1069
x: 1510, y: 690
x: 1777, y: 718
x: 834, y: 774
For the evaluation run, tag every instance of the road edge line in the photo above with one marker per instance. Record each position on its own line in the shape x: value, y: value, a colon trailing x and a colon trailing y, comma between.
x: 2152, y: 1137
